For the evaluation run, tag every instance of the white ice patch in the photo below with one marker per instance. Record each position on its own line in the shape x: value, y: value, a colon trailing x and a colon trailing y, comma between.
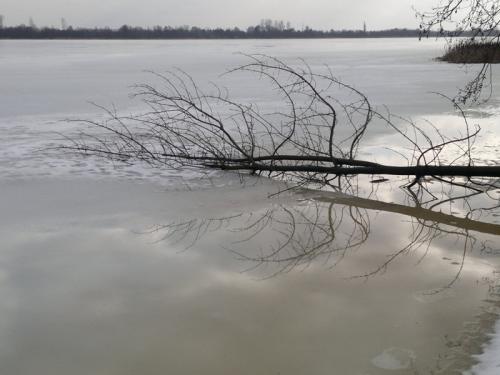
x: 27, y: 150
x: 394, y: 359
x: 489, y: 360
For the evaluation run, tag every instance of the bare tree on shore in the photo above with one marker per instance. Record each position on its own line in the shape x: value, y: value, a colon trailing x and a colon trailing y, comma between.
x: 477, y: 19
x: 478, y: 22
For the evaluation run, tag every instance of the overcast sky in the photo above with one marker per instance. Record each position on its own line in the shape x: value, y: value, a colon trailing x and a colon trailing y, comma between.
x: 318, y: 14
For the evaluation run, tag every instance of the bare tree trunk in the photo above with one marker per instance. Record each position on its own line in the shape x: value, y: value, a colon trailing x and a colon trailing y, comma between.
x: 418, y: 171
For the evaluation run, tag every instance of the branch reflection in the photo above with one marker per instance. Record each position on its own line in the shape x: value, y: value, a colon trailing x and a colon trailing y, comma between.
x: 325, y: 227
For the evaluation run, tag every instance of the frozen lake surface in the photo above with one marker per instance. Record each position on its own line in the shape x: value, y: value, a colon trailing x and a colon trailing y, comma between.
x: 46, y: 82
x: 108, y: 269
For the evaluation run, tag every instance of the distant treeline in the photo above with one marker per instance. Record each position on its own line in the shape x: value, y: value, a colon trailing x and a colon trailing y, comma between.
x: 185, y: 32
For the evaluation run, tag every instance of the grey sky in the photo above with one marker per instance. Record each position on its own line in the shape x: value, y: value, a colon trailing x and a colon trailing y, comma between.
x: 321, y: 14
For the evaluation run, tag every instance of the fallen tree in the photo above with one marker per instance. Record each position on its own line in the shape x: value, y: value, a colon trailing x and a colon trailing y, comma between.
x: 312, y: 136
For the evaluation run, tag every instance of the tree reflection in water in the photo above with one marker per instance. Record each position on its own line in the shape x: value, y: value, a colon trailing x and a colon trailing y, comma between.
x: 326, y: 226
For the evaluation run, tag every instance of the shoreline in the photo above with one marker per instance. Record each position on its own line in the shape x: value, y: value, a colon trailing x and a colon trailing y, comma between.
x: 228, y: 38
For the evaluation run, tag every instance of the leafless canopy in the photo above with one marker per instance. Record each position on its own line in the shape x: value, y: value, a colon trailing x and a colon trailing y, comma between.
x: 477, y: 21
